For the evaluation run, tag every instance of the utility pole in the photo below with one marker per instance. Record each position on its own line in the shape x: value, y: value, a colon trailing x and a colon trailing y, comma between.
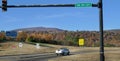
x: 100, y: 6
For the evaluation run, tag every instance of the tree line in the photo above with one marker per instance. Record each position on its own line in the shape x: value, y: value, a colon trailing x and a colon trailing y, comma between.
x: 64, y: 38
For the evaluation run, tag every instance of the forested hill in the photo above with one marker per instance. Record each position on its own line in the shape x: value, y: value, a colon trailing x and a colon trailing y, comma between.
x: 114, y: 30
x: 37, y: 29
x: 64, y: 37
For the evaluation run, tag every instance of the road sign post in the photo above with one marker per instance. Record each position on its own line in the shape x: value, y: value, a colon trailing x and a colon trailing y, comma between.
x: 20, y: 45
x: 37, y: 46
x: 81, y: 42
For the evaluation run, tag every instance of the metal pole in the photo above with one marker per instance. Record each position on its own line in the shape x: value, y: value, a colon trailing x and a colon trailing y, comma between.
x: 100, y: 6
x: 43, y: 5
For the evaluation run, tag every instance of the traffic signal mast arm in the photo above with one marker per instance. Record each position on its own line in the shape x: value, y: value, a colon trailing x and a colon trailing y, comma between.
x: 45, y: 5
x: 42, y: 5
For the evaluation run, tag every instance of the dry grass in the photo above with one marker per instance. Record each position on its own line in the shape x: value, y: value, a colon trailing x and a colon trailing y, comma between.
x: 12, y: 48
x: 111, y: 54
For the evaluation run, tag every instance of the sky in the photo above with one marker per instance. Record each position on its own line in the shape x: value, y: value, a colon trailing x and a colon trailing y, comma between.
x: 67, y: 18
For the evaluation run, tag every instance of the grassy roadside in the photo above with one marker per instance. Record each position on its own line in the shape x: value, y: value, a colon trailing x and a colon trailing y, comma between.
x: 12, y: 48
x: 89, y: 57
x: 111, y: 54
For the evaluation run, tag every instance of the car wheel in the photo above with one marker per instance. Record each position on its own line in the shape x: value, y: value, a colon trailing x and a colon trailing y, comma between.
x: 63, y: 54
x: 57, y: 54
x: 68, y: 53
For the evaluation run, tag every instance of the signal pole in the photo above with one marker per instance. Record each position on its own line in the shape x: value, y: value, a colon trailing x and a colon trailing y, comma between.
x: 100, y: 6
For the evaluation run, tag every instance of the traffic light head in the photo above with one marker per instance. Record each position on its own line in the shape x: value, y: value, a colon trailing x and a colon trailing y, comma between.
x: 4, y: 5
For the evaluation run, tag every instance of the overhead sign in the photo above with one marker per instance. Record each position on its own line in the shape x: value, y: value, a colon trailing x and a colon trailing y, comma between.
x: 12, y: 34
x: 83, y: 5
x: 81, y: 42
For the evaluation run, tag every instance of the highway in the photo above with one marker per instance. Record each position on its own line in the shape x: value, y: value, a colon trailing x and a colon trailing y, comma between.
x: 31, y: 57
x: 37, y: 57
x: 41, y: 57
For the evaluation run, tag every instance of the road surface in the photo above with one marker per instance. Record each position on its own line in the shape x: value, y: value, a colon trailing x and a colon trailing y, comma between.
x: 31, y: 57
x: 36, y: 57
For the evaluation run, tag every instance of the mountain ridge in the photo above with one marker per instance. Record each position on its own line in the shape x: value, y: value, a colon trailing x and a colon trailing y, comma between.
x: 39, y: 29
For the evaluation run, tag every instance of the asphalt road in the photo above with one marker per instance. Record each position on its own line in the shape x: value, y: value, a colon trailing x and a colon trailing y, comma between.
x: 41, y: 57
x: 31, y: 57
x: 36, y: 57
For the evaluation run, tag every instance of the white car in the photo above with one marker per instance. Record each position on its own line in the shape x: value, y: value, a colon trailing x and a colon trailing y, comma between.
x: 62, y: 51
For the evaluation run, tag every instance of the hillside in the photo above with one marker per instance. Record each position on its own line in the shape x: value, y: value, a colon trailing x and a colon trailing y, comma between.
x: 49, y: 29
x: 37, y: 29
x: 62, y: 37
x: 114, y: 30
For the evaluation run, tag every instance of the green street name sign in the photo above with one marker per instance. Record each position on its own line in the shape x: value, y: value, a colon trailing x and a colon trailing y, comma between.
x: 83, y: 5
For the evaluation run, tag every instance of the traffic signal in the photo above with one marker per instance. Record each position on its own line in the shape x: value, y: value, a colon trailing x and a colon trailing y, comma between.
x: 4, y: 5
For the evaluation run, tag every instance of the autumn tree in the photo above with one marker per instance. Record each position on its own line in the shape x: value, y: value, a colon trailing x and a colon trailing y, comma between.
x: 2, y: 36
x: 21, y: 36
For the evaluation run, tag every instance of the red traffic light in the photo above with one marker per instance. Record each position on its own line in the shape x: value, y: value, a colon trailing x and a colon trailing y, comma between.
x: 4, y: 5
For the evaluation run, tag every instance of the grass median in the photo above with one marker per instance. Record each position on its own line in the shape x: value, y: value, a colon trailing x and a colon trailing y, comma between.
x: 111, y: 54
x: 12, y: 48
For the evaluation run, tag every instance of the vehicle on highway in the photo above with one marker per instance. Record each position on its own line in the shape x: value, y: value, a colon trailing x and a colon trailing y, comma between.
x: 62, y: 51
